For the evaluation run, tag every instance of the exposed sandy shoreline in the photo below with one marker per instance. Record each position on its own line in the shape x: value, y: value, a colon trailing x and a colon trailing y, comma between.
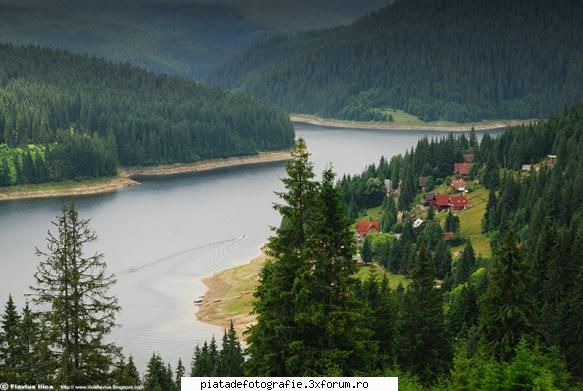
x: 127, y: 176
x: 234, y: 288
x: 335, y: 123
x: 67, y: 189
x: 207, y: 165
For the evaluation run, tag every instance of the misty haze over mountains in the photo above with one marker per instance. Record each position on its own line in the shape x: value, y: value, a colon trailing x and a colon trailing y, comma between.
x: 185, y: 38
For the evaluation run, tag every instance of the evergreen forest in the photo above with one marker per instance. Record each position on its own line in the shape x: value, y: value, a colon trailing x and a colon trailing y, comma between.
x: 67, y: 116
x: 454, y: 60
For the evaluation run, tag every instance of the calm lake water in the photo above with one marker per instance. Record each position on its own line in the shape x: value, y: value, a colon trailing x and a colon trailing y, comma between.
x: 163, y: 237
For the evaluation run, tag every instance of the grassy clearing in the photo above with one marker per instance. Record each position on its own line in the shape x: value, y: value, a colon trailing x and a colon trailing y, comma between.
x: 234, y: 288
x: 371, y: 214
x: 471, y: 219
x: 394, y: 279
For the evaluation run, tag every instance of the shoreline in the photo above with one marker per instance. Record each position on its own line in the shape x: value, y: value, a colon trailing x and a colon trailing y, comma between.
x: 127, y: 177
x: 225, y: 285
x: 391, y: 126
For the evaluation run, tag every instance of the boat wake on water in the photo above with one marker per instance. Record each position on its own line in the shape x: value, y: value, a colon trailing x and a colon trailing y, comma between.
x: 136, y: 269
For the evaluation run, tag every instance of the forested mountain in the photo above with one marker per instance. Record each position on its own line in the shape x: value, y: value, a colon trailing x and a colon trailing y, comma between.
x: 185, y: 38
x: 88, y: 115
x: 530, y: 288
x: 460, y: 60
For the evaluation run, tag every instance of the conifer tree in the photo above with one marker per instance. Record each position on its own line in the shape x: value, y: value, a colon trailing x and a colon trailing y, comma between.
x: 489, y: 222
x: 231, y: 356
x: 274, y: 305
x: 423, y: 348
x: 452, y: 222
x: 366, y: 250
x: 389, y: 218
x: 10, y: 348
x: 158, y: 377
x: 442, y: 259
x: 465, y: 265
x: 507, y: 309
x: 179, y: 373
x: 72, y: 292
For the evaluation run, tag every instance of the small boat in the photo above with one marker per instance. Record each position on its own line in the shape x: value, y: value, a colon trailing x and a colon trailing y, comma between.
x: 217, y: 301
x: 198, y: 301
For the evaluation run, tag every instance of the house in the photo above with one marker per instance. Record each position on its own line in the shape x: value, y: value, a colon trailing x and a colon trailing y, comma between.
x: 448, y: 236
x: 366, y: 227
x: 458, y: 185
x: 441, y: 202
x: 458, y: 202
x: 418, y: 223
x: 469, y: 157
x: 389, y: 186
x: 462, y: 169
x: 428, y: 199
x: 422, y: 182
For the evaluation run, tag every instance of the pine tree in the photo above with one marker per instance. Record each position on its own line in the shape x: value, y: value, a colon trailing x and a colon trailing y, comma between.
x: 274, y: 303
x: 389, y: 217
x: 36, y: 360
x: 489, y: 222
x: 423, y: 348
x: 506, y: 309
x: 231, y: 356
x: 179, y: 373
x: 72, y: 292
x: 10, y: 348
x: 366, y: 250
x: 452, y: 222
x: 157, y: 377
x: 323, y: 297
x: 442, y: 259
x: 465, y: 265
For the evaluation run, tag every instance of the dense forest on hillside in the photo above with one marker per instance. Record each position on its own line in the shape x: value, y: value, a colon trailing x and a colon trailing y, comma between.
x: 452, y: 60
x: 465, y: 322
x: 185, y: 38
x: 88, y: 115
x: 533, y: 219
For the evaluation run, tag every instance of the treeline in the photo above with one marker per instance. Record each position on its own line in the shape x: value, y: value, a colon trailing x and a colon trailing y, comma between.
x: 486, y: 329
x: 58, y: 338
x: 123, y: 114
x: 72, y: 156
x: 439, y: 60
x: 534, y: 220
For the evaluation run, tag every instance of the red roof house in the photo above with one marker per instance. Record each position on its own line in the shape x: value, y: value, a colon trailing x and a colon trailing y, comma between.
x: 365, y: 227
x: 441, y: 201
x: 458, y: 185
x: 459, y: 202
x: 462, y: 169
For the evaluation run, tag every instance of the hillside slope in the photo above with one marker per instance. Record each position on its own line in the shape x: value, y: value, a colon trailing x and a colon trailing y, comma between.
x: 457, y: 60
x: 185, y: 38
x: 87, y: 114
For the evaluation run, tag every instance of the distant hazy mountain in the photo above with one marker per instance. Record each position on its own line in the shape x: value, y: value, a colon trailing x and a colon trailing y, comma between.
x: 439, y: 59
x: 184, y: 38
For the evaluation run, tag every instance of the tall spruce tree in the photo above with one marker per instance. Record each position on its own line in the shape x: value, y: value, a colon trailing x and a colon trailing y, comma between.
x: 231, y: 357
x: 465, y: 265
x: 158, y: 376
x: 423, y: 348
x: 72, y: 293
x: 507, y: 310
x: 10, y: 348
x: 333, y: 336
x: 274, y: 305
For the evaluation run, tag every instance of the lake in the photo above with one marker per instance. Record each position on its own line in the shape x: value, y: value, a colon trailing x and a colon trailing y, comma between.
x: 163, y: 237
